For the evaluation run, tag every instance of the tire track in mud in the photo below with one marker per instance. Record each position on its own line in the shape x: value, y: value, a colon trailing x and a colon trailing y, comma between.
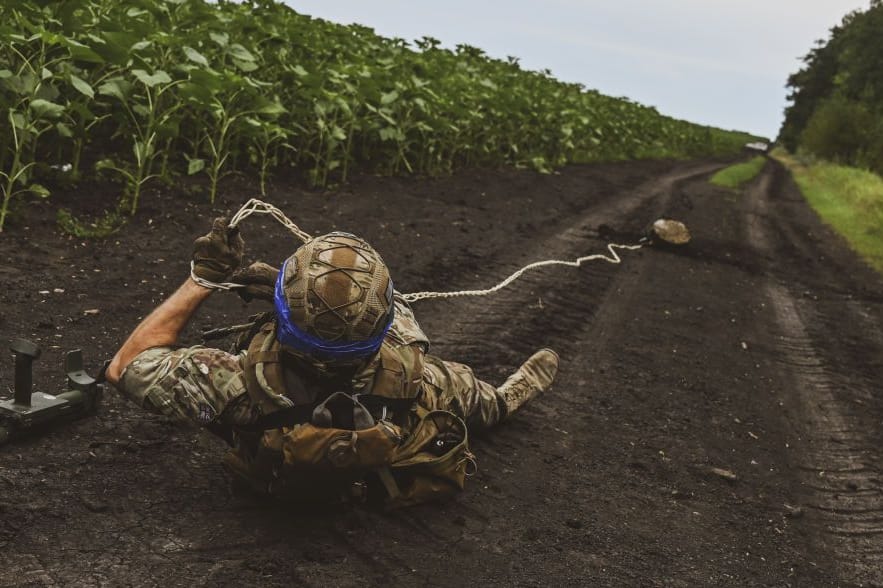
x: 839, y: 466
x: 501, y: 322
x: 563, y: 308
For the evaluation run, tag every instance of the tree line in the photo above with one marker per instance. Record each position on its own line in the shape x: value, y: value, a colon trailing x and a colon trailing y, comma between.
x: 837, y: 96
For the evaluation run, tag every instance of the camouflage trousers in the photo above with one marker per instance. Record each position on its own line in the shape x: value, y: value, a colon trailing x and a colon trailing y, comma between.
x: 453, y: 387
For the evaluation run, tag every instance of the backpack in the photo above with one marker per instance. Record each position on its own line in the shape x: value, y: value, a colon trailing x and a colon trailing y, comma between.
x: 315, y: 445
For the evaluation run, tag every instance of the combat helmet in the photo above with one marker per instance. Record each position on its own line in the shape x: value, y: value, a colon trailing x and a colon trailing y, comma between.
x: 334, y: 300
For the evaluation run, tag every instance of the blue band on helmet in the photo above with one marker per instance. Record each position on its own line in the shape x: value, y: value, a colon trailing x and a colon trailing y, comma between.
x: 290, y: 335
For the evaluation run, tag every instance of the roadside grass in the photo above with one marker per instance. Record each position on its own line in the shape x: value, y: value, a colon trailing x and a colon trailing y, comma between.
x: 738, y: 175
x: 847, y: 198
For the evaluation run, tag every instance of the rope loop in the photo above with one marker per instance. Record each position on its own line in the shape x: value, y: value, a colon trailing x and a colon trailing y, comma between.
x: 255, y: 206
x: 212, y: 285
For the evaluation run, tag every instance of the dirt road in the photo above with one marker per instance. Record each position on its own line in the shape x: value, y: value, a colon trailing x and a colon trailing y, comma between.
x: 715, y: 421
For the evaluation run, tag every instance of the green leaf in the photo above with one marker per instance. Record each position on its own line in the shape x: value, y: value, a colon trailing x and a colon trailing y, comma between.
x: 194, y: 166
x: 38, y: 190
x: 5, y: 73
x: 104, y: 164
x: 45, y: 109
x: 299, y: 70
x: 81, y: 52
x: 45, y: 74
x: 18, y: 120
x: 220, y: 38
x: 142, y: 150
x: 384, y: 114
x: 82, y: 86
x: 64, y: 130
x: 246, y: 66
x: 207, y: 79
x: 195, y: 56
x: 151, y: 80
x: 388, y: 133
x: 194, y: 92
x: 117, y: 88
x: 389, y: 97
x: 22, y: 84
x: 48, y: 92
x: 338, y: 133
x: 237, y: 51
x: 272, y: 108
x: 116, y: 46
x: 540, y: 164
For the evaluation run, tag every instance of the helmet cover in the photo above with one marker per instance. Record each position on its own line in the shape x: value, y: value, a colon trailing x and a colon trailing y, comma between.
x: 334, y: 299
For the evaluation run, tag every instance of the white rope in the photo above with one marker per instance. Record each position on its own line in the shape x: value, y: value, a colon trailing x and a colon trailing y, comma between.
x: 209, y: 284
x: 613, y: 258
x: 255, y: 206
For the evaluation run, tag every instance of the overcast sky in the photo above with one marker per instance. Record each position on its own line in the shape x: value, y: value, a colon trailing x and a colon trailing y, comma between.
x: 719, y: 62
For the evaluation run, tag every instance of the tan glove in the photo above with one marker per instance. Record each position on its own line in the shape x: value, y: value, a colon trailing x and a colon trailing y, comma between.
x: 259, y: 280
x: 217, y: 254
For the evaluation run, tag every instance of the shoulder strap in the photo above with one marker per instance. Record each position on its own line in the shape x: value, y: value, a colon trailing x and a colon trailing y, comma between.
x: 257, y: 323
x: 268, y: 379
x: 256, y: 357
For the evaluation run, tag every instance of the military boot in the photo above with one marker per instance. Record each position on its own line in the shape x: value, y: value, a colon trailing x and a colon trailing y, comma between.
x: 534, y: 376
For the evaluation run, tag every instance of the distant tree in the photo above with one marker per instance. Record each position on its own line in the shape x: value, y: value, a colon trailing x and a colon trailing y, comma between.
x: 811, y: 85
x: 839, y: 92
x: 861, y: 58
x: 837, y: 130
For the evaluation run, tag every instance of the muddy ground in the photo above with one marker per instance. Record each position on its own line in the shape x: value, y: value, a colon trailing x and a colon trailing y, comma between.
x: 756, y: 350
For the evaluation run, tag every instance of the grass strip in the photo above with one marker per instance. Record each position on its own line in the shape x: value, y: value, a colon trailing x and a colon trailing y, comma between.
x: 848, y: 199
x: 738, y: 175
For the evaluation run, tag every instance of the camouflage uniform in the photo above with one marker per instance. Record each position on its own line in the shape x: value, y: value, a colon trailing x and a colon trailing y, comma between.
x: 206, y: 386
x: 337, y: 389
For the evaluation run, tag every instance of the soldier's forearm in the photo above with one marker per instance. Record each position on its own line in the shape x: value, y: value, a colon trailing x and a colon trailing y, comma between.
x: 161, y: 327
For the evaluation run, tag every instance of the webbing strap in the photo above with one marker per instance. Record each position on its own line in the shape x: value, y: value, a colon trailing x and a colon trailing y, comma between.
x: 399, y: 406
x: 421, y: 410
x: 286, y: 417
x: 303, y: 413
x: 388, y: 482
x: 268, y: 356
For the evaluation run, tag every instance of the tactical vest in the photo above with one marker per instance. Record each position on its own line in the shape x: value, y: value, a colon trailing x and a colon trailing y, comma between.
x: 342, y: 439
x: 395, y: 372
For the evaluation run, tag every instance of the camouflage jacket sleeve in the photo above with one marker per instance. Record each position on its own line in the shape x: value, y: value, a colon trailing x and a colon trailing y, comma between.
x: 191, y: 384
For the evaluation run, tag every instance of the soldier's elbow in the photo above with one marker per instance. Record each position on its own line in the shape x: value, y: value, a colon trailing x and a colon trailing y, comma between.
x: 114, y: 370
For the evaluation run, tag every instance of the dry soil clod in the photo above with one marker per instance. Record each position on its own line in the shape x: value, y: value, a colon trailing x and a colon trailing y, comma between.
x: 725, y: 474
